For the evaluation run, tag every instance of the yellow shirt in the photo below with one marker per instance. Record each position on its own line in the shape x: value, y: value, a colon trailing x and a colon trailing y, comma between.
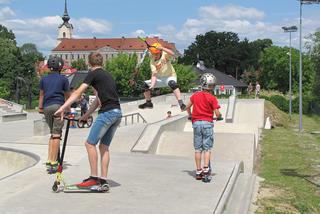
x: 163, y: 66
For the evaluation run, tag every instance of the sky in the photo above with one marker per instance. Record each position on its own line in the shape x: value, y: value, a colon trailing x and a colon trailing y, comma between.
x: 177, y: 21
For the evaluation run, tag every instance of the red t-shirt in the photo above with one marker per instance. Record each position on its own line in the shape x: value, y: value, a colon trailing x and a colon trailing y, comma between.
x: 204, y: 104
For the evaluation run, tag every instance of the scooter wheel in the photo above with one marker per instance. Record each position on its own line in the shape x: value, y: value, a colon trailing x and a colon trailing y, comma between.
x: 55, y: 187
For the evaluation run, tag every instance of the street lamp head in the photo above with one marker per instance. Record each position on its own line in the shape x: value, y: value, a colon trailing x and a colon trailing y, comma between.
x: 290, y: 29
x: 309, y: 1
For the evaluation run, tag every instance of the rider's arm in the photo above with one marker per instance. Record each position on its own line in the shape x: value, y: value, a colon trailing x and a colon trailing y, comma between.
x: 41, y: 95
x: 74, y: 96
x: 167, y: 50
x: 95, y: 104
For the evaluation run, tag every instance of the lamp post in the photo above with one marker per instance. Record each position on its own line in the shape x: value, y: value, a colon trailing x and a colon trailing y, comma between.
x: 300, y: 60
x: 290, y: 30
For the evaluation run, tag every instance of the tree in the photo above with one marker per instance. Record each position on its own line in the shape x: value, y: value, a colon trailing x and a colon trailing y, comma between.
x: 7, y: 34
x: 314, y: 51
x: 10, y: 64
x: 225, y: 52
x: 79, y: 64
x: 274, y: 74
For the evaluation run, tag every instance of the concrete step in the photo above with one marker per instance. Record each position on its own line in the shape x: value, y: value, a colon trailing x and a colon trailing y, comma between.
x: 241, y: 196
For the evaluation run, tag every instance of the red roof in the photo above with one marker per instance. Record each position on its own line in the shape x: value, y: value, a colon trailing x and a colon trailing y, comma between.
x: 115, y: 43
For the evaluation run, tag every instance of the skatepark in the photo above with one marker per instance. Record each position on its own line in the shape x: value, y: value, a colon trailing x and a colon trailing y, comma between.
x: 152, y: 165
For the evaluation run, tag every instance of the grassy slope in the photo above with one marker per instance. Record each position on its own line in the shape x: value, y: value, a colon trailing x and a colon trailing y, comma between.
x: 288, y: 159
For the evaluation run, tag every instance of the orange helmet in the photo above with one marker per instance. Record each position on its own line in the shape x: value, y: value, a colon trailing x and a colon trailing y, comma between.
x: 153, y: 49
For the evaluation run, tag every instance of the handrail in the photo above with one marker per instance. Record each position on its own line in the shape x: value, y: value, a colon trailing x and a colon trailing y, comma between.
x: 138, y: 116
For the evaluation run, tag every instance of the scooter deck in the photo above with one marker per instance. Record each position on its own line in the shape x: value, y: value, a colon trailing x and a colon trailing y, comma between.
x: 75, y: 189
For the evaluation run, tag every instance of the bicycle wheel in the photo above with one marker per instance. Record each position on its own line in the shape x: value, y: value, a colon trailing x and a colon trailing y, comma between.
x: 89, y: 121
x: 80, y: 124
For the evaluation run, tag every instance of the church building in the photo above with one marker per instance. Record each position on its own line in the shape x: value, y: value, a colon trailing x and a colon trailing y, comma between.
x: 71, y: 49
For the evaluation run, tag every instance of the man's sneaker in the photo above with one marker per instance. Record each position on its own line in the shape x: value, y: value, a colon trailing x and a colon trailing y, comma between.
x: 199, y: 174
x: 103, y: 186
x: 146, y: 105
x: 183, y: 107
x: 89, y: 182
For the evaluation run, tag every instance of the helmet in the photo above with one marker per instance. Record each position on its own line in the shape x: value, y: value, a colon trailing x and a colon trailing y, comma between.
x: 55, y: 63
x: 153, y: 49
x: 208, y: 81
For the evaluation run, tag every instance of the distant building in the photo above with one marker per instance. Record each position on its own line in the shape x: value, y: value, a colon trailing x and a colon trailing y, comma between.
x: 229, y: 84
x: 71, y: 49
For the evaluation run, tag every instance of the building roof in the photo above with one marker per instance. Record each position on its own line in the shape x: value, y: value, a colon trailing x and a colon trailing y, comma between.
x: 115, y: 43
x: 222, y: 78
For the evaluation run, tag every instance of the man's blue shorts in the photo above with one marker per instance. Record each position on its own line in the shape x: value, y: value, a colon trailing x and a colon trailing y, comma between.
x: 104, y: 127
x: 202, y: 135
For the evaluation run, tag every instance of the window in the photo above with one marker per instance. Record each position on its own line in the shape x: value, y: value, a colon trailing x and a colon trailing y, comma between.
x: 72, y: 56
x: 64, y: 34
x: 66, y: 56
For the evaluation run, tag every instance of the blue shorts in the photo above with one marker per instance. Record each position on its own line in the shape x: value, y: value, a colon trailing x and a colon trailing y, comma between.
x: 202, y: 136
x: 104, y: 127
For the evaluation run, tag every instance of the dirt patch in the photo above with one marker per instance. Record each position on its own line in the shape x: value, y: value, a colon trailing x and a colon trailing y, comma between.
x: 265, y: 192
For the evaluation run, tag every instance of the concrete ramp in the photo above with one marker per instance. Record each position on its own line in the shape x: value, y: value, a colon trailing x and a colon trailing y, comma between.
x: 13, y: 161
x: 227, y: 147
x: 139, y: 184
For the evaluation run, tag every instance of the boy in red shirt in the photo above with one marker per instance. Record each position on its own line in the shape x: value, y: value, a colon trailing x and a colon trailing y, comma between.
x: 205, y: 105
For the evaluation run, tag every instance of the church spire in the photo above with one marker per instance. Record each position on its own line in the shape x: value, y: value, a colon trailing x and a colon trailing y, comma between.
x: 65, y: 16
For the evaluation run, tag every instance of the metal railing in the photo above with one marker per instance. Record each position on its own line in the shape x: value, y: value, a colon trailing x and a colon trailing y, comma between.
x: 134, y: 118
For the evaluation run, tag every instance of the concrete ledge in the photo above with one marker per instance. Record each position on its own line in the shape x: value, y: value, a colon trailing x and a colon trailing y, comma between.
x: 228, y: 189
x: 40, y: 128
x: 13, y: 117
x: 14, y: 161
x: 231, y: 109
x: 149, y: 139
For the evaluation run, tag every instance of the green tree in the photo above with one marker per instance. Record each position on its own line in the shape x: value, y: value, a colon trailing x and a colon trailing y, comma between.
x: 186, y: 76
x: 225, y: 52
x: 79, y: 64
x: 314, y: 51
x: 7, y: 34
x: 274, y: 74
x: 10, y: 64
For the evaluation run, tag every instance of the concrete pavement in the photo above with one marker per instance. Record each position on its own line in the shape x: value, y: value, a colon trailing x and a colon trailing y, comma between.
x: 161, y: 182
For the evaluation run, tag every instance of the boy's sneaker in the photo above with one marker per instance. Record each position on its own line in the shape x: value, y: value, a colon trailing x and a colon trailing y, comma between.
x: 199, y: 174
x: 146, y: 105
x: 52, y: 167
x: 206, y: 175
x: 89, y: 182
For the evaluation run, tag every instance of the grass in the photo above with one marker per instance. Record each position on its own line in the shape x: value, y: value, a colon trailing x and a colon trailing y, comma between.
x: 290, y: 165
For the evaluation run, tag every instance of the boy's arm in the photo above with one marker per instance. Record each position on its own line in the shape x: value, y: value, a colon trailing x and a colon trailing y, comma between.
x: 167, y: 50
x: 217, y: 113
x: 73, y: 97
x: 188, y: 109
x: 40, y: 106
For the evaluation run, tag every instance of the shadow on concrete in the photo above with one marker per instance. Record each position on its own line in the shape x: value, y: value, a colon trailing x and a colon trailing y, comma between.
x: 313, y: 179
x: 113, y: 183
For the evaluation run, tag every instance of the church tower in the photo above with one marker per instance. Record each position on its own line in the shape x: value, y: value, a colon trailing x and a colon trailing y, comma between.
x: 65, y: 29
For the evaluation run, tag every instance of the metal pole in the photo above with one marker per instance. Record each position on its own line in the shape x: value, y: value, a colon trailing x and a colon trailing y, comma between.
x: 300, y: 72
x: 290, y: 74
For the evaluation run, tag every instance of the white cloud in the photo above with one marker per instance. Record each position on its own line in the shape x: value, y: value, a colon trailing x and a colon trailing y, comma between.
x: 230, y: 12
x: 6, y: 13
x: 84, y: 25
x: 43, y: 31
x: 5, y: 1
x: 139, y: 32
x: 247, y: 22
